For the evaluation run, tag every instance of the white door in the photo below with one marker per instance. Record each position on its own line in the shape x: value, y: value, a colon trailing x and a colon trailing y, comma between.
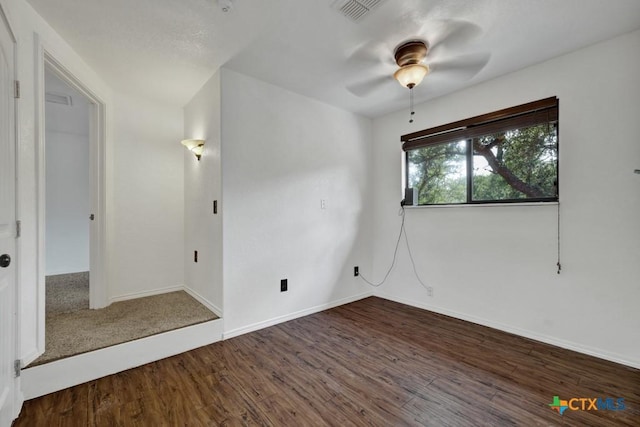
x: 7, y: 225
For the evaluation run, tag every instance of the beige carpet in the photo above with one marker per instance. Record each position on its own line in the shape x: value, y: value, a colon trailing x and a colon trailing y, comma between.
x: 72, y: 328
x: 66, y: 293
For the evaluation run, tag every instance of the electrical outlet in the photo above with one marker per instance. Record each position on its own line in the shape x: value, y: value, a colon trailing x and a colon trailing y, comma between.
x: 284, y: 287
x: 356, y: 271
x: 429, y: 291
x: 195, y: 256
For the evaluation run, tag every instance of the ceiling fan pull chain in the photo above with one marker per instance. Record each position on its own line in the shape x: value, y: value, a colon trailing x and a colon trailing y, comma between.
x: 411, y: 105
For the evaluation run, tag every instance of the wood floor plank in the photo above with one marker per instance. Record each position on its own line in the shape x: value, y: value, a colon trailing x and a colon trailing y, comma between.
x: 290, y: 412
x: 361, y: 412
x: 66, y: 407
x: 228, y: 401
x: 373, y: 362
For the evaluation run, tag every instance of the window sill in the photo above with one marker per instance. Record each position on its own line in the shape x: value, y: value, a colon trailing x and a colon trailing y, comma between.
x: 482, y: 205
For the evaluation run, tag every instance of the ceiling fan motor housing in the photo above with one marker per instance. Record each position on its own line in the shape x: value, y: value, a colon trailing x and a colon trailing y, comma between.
x: 411, y: 52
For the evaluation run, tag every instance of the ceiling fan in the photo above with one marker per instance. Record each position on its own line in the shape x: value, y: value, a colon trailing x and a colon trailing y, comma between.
x: 415, y: 58
x: 409, y: 57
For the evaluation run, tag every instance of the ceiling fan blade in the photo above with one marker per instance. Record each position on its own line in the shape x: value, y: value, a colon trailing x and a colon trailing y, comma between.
x: 462, y: 67
x: 370, y: 86
x: 453, y: 35
x: 371, y: 54
x: 380, y: 51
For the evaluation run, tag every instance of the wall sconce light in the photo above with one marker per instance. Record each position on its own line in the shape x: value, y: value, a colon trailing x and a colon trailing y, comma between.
x: 196, y: 146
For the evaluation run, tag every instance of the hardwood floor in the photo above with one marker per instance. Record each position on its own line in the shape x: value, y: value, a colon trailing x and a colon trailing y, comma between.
x: 372, y: 362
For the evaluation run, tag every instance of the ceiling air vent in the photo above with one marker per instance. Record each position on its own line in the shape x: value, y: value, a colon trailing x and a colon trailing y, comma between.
x: 355, y: 9
x: 58, y: 98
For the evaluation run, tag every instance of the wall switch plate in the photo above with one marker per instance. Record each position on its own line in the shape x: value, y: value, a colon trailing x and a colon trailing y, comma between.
x: 429, y: 291
x: 283, y: 285
x: 356, y: 271
x: 323, y: 204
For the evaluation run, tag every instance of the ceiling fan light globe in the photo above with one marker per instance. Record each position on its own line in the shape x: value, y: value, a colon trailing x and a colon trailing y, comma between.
x: 411, y: 75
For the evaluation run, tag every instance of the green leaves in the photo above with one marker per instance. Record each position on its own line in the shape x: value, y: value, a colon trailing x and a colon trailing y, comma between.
x: 518, y: 164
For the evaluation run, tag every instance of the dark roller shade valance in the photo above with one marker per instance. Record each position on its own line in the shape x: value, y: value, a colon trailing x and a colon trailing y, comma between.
x: 532, y: 113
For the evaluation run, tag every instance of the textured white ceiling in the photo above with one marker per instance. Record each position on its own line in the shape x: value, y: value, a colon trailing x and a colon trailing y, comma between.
x: 167, y: 49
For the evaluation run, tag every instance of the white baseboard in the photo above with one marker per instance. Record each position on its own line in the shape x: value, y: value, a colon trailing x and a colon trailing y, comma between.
x: 71, y: 371
x: 295, y: 315
x: 612, y: 357
x: 149, y: 293
x: 202, y: 300
x: 57, y: 273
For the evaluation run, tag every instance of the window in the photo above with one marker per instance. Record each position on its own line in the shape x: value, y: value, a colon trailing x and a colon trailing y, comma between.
x: 506, y: 156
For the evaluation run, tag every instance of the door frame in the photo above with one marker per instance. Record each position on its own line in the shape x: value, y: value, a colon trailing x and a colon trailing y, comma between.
x: 97, y: 154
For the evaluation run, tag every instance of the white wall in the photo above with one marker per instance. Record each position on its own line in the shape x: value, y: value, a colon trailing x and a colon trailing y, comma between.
x: 68, y: 206
x: 496, y: 266
x: 281, y: 154
x: 203, y: 185
x: 149, y: 204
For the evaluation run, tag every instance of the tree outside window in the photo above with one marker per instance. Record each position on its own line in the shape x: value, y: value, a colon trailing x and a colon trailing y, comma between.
x: 513, y: 164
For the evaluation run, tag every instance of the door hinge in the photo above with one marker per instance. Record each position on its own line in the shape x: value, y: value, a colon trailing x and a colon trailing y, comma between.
x: 16, y: 367
x: 16, y: 89
x: 18, y: 228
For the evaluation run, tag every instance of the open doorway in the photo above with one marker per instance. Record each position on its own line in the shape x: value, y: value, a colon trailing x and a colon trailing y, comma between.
x: 102, y: 325
x: 71, y: 225
x: 67, y: 197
